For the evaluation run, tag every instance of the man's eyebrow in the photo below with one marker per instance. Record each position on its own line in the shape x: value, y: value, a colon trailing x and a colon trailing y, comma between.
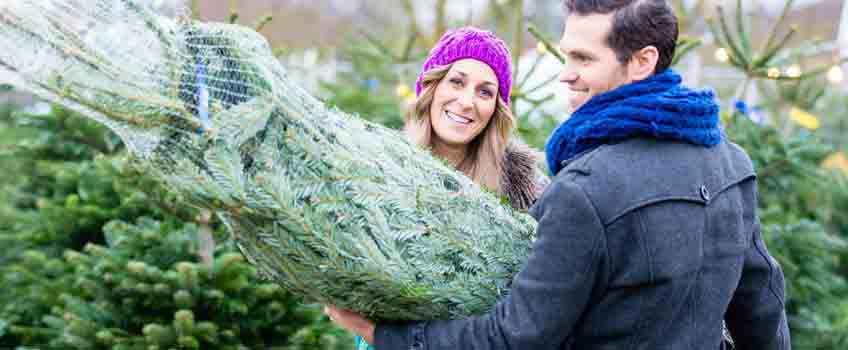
x: 578, y: 52
x: 463, y: 74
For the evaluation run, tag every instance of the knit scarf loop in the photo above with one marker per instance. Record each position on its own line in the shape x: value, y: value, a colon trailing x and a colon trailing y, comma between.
x: 658, y: 107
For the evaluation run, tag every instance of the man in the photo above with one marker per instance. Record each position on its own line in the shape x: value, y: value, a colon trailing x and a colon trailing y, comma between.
x: 648, y: 235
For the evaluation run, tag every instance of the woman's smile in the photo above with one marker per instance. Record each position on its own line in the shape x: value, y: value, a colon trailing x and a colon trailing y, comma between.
x: 456, y: 118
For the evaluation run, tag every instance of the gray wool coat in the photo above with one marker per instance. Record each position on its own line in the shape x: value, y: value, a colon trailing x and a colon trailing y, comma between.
x: 644, y: 244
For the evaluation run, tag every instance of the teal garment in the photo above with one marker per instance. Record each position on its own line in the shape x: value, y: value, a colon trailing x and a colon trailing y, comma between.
x: 362, y: 345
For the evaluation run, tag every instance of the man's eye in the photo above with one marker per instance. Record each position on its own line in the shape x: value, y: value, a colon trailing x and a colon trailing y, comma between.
x: 579, y: 57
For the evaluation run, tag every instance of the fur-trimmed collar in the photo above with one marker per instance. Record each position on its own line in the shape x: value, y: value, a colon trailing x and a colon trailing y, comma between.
x: 522, y: 181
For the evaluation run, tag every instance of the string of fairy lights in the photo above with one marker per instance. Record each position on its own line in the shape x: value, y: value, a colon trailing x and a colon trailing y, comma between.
x: 834, y: 74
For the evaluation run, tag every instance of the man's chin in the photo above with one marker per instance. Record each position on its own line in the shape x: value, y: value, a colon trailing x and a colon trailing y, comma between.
x: 575, y: 103
x: 573, y: 107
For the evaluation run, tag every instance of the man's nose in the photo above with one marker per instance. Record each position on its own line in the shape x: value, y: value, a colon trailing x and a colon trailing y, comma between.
x: 568, y: 75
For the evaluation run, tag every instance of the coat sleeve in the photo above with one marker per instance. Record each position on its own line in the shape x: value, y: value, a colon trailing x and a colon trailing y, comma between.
x: 756, y: 316
x: 547, y: 297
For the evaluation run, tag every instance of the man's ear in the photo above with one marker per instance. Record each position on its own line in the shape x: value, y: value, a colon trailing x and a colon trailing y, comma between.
x: 644, y: 62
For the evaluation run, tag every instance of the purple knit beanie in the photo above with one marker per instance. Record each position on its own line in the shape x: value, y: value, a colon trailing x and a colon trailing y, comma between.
x: 471, y: 42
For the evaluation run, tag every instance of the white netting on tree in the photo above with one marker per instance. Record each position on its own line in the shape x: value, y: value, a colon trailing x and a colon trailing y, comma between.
x: 328, y: 205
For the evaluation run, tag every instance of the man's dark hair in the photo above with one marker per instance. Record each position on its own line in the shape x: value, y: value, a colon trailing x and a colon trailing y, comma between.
x: 635, y: 25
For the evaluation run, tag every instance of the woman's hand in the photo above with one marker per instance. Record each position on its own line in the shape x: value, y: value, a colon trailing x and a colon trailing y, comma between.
x: 351, y: 321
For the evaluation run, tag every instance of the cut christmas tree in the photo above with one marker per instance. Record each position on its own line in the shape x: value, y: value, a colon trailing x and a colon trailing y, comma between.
x: 329, y: 206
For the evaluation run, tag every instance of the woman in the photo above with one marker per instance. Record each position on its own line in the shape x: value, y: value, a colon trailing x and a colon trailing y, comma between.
x: 462, y: 115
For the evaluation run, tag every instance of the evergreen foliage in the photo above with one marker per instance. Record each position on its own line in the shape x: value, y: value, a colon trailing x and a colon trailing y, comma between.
x: 803, y: 219
x: 145, y: 289
x: 97, y: 256
x: 379, y: 84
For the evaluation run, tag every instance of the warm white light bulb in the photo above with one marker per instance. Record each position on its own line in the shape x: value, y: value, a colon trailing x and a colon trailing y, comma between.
x: 794, y: 71
x: 835, y: 75
x: 721, y: 55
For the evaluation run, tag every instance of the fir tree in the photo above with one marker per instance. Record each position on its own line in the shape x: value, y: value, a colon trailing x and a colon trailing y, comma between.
x: 147, y: 289
x: 66, y: 192
x: 800, y: 203
x: 804, y: 228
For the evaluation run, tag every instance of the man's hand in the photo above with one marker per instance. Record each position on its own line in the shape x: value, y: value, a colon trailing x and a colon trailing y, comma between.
x: 351, y: 321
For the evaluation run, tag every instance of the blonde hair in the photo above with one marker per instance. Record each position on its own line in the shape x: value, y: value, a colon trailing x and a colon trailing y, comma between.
x: 483, y: 162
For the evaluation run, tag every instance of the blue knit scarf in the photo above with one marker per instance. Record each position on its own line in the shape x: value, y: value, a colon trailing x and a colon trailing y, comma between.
x: 658, y: 107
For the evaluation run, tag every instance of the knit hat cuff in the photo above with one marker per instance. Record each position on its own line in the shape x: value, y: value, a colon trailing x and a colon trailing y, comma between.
x: 476, y: 44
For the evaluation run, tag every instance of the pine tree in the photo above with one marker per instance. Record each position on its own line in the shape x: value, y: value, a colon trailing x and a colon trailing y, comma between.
x: 76, y: 227
x: 47, y: 170
x: 148, y: 290
x: 804, y: 228
x: 800, y: 203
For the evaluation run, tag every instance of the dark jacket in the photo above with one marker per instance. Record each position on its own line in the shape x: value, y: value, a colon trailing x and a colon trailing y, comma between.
x: 644, y: 244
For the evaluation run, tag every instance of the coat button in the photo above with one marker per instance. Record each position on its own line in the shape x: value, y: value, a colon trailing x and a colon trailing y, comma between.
x: 705, y: 193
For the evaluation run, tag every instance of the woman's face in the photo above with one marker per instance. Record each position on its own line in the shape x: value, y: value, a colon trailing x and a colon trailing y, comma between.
x: 463, y: 102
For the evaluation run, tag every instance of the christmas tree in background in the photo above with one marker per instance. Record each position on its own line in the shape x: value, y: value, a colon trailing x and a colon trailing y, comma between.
x: 804, y: 226
x: 146, y: 289
x: 801, y: 203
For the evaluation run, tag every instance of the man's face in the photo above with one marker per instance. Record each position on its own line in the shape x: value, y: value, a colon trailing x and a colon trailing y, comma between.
x: 591, y: 67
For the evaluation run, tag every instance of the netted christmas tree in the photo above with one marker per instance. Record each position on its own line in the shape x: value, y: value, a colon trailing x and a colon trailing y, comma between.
x: 329, y: 206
